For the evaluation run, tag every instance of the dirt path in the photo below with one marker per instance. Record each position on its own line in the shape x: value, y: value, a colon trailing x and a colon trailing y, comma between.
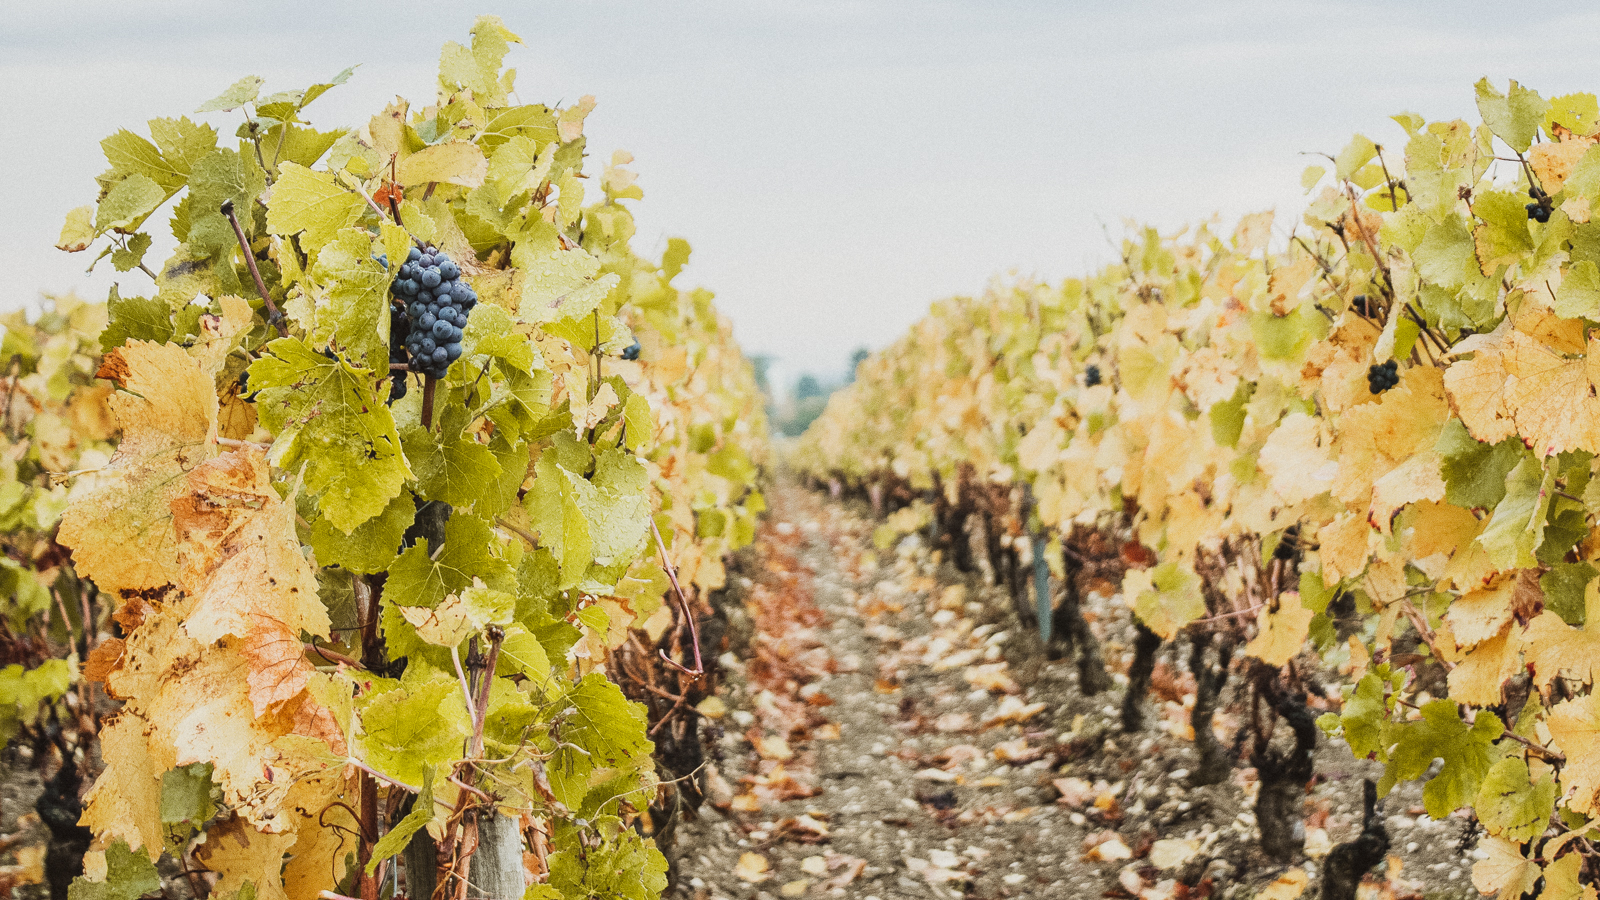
x: 890, y: 734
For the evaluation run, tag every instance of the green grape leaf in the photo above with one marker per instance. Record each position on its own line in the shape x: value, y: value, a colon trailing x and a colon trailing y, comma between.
x: 1511, y: 805
x: 354, y: 315
x: 129, y: 202
x: 1579, y: 294
x: 219, y: 177
x: 601, y: 729
x: 129, y: 876
x: 415, y: 579
x: 1515, y: 116
x: 303, y: 200
x: 458, y: 470
x: 1517, y: 525
x: 1475, y: 472
x: 1364, y: 716
x: 1440, y: 734
x: 130, y: 154
x: 186, y: 795
x: 329, y: 420
x: 403, y: 733
x: 624, y: 865
x: 1355, y: 154
x: 1502, y: 238
x: 1564, y: 589
x: 183, y: 143
x: 135, y: 319
x: 478, y: 69
x: 125, y: 258
x: 1446, y: 256
x: 243, y: 91
x: 395, y: 840
x: 372, y: 546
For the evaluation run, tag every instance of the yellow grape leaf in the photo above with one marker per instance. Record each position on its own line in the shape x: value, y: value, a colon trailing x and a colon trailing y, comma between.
x: 1553, y: 162
x: 1376, y: 438
x: 241, y: 562
x: 1253, y: 232
x: 1518, y: 384
x: 125, y: 801
x: 322, y: 823
x: 1478, y: 386
x: 1415, y: 480
x: 1505, y: 872
x: 1486, y: 668
x: 1165, y: 598
x: 1554, y: 647
x: 1343, y: 547
x: 1295, y: 458
x: 1575, y: 728
x: 1479, y: 615
x: 456, y: 162
x: 1561, y: 877
x: 239, y: 853
x: 1281, y: 633
x: 120, y: 531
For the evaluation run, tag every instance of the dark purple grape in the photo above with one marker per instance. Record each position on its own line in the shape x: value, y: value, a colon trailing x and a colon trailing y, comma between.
x: 454, y: 350
x: 414, y: 255
x: 430, y: 278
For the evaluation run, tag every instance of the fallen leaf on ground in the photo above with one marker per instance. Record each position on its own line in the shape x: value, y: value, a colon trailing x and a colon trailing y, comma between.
x: 796, y: 888
x: 851, y: 867
x: 1172, y: 853
x: 992, y: 677
x: 774, y: 747
x: 1110, y: 850
x: 752, y: 867
x: 1016, y: 751
x: 814, y: 865
x: 1012, y: 711
x: 1288, y: 886
x: 1075, y: 792
x: 931, y: 873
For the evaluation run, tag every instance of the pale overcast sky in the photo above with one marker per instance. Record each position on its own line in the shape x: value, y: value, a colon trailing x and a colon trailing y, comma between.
x: 836, y: 165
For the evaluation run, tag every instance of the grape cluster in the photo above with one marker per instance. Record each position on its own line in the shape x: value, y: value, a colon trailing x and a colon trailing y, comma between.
x: 1381, y: 378
x: 632, y: 350
x: 436, y: 302
x: 1363, y: 306
x: 1539, y: 210
x: 1091, y: 376
x: 399, y: 332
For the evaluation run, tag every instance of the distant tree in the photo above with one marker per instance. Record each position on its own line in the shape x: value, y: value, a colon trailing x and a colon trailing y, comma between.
x: 856, y: 359
x: 761, y: 362
x: 808, y: 386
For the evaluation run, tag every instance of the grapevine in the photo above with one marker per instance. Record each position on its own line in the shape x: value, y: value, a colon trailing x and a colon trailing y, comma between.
x: 359, y: 624
x: 1371, y: 454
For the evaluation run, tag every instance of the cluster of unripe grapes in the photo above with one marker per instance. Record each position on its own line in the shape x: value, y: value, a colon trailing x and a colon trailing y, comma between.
x: 436, y: 304
x: 1380, y: 378
x: 1539, y: 210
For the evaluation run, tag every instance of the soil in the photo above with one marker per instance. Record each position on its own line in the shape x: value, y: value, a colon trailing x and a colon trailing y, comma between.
x: 892, y: 732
